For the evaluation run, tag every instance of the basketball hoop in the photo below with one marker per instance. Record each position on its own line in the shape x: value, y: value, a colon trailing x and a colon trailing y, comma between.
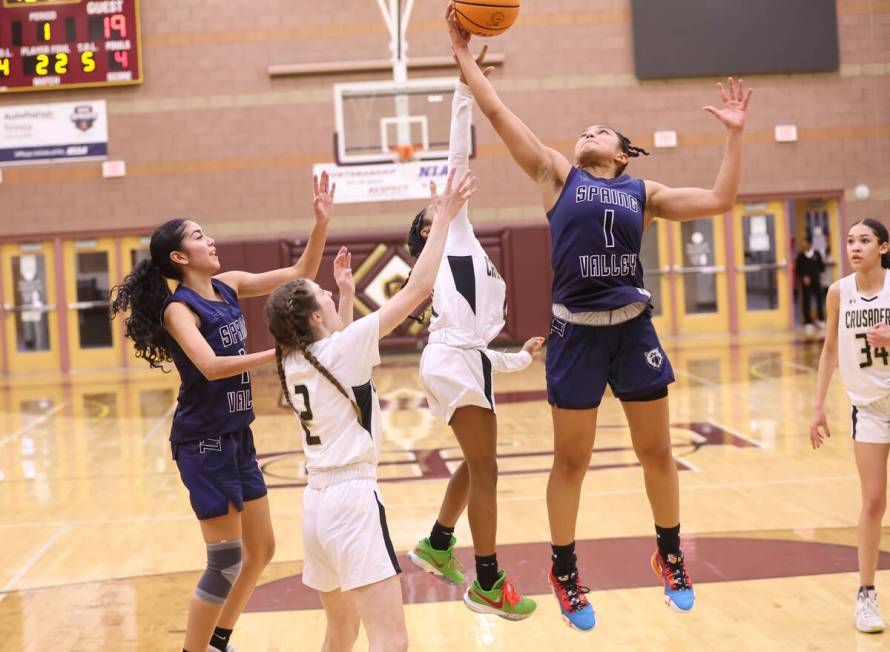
x: 404, y: 153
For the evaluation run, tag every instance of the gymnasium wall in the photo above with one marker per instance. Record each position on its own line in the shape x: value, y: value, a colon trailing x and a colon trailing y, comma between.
x: 212, y: 136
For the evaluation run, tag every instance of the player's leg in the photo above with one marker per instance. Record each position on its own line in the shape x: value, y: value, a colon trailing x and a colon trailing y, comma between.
x: 871, y: 462
x: 343, y: 620
x: 492, y: 592
x: 222, y: 536
x: 380, y: 607
x: 447, y: 381
x: 209, y: 470
x: 577, y: 363
x: 640, y: 374
x: 257, y: 536
x: 259, y: 548
x: 650, y: 433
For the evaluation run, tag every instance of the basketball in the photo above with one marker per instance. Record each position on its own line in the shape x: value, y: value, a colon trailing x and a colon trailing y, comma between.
x: 488, y: 18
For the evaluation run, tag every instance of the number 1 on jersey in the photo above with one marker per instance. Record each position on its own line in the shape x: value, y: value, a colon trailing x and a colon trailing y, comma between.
x: 608, y: 226
x: 306, y: 415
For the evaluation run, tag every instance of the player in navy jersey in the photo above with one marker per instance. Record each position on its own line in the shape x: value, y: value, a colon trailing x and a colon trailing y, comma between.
x: 325, y: 361
x: 601, y: 330
x: 200, y: 327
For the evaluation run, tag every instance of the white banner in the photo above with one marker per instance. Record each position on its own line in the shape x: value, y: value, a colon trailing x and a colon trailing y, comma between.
x: 48, y: 133
x: 386, y: 182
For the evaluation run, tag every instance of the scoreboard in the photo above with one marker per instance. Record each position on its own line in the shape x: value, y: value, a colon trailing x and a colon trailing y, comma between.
x: 54, y: 44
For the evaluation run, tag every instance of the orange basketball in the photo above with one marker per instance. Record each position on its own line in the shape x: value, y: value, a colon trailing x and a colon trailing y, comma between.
x: 486, y: 17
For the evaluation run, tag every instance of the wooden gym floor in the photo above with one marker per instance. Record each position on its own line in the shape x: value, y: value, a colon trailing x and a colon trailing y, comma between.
x: 100, y: 550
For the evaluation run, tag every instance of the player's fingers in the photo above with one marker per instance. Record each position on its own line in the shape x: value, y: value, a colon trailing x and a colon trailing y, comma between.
x: 488, y: 70
x: 747, y: 99
x: 333, y: 190
x: 713, y: 111
x: 740, y: 90
x: 315, y: 184
x: 722, y: 92
x: 434, y: 195
x: 481, y: 57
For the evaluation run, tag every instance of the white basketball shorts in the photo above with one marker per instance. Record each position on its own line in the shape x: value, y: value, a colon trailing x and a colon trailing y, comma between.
x: 871, y: 423
x: 345, y: 536
x: 453, y: 377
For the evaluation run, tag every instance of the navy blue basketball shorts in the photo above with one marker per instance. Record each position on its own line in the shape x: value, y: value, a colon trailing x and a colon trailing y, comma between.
x: 582, y: 359
x: 218, y: 471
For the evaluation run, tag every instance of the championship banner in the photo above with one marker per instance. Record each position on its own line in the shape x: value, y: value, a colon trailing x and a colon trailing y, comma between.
x: 53, y: 133
x: 385, y: 182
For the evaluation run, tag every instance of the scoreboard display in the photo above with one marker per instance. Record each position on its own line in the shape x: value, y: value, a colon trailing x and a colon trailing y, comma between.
x: 54, y: 44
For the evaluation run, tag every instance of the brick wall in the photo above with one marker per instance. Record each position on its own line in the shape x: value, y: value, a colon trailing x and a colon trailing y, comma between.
x: 212, y: 136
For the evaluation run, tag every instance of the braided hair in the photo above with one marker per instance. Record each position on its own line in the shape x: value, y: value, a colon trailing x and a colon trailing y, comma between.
x: 628, y: 148
x: 144, y: 291
x: 287, y: 314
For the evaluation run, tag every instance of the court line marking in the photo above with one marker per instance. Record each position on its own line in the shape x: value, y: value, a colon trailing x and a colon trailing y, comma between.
x: 715, y: 486
x: 21, y: 572
x: 157, y: 424
x: 735, y: 433
x: 36, y: 422
x: 800, y: 367
x: 697, y: 378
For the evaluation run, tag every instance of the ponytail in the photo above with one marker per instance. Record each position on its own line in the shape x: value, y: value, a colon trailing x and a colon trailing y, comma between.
x: 144, y: 291
x: 628, y: 148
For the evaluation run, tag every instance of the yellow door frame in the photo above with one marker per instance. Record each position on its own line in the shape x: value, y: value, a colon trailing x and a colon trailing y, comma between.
x: 713, y: 322
x: 97, y: 357
x: 781, y: 317
x: 36, y: 361
x: 663, y: 322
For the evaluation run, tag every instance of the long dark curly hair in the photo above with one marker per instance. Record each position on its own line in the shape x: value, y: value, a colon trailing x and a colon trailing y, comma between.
x: 144, y: 291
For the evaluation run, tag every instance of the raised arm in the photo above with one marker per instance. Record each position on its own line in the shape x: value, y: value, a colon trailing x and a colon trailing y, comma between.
x: 547, y: 167
x: 247, y: 284
x: 182, y: 325
x: 827, y: 365
x: 346, y: 285
x: 444, y: 208
x: 680, y: 204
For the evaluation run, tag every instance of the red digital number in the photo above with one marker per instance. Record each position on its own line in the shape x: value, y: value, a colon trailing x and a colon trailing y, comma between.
x: 123, y: 58
x: 117, y: 23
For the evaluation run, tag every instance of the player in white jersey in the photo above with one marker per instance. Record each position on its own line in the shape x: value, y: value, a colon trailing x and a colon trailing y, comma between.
x: 325, y: 370
x: 857, y: 340
x: 468, y: 311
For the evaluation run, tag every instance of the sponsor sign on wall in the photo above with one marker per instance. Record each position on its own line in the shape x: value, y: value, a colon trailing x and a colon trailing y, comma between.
x: 385, y: 182
x: 52, y: 133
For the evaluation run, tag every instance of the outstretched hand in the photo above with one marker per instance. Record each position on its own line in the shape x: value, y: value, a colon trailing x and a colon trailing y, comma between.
x: 323, y: 197
x: 460, y: 38
x: 533, y: 345
x: 453, y: 197
x: 343, y: 271
x: 735, y: 105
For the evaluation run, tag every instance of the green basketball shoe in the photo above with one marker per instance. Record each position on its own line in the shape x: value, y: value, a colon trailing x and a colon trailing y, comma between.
x: 439, y: 563
x: 503, y: 600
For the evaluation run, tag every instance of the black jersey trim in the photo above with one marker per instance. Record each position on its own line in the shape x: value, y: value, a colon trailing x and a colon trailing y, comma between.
x: 364, y: 398
x: 855, y: 418
x: 386, y: 540
x: 464, y: 278
x: 486, y: 375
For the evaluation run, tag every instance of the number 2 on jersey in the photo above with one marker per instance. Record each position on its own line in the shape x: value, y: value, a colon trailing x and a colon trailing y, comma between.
x: 306, y: 415
x: 871, y: 353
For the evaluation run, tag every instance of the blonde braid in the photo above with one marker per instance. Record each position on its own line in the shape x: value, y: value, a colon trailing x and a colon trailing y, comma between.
x: 281, y: 377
